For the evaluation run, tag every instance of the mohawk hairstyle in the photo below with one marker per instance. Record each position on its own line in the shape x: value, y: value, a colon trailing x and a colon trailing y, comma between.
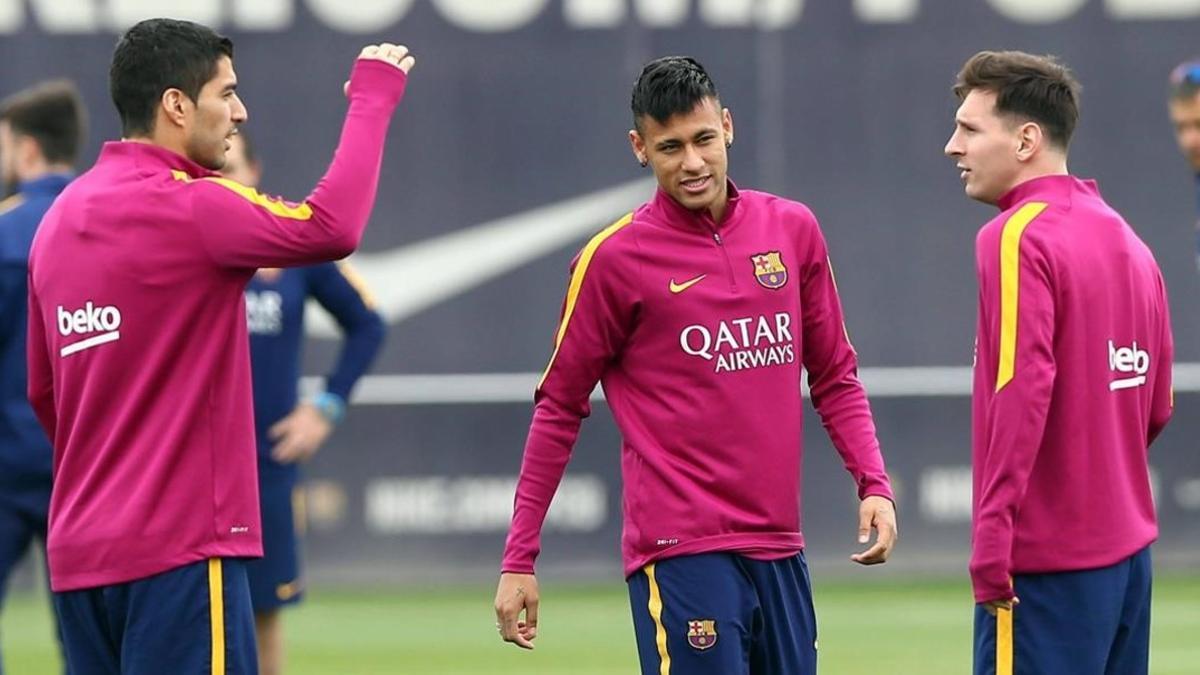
x: 669, y: 86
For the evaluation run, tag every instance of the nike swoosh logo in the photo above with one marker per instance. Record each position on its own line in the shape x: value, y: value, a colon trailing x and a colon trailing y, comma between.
x: 679, y: 288
x: 409, y: 279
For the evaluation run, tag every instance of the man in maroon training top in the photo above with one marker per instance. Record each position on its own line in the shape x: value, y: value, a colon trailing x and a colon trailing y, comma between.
x: 139, y: 364
x: 1072, y: 384
x: 697, y: 312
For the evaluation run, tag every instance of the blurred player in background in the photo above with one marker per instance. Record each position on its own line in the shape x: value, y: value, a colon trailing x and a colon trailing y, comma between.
x: 697, y: 313
x: 1183, y: 104
x: 1072, y: 384
x: 41, y: 132
x: 139, y: 365
x: 289, y: 432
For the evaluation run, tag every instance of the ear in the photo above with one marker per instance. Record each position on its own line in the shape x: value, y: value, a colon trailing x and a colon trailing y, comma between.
x: 727, y: 125
x: 176, y: 106
x: 1029, y: 141
x: 638, y: 145
x: 27, y: 150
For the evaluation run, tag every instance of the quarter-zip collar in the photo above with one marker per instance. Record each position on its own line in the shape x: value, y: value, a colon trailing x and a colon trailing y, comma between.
x: 1056, y: 187
x: 665, y: 209
x: 150, y: 157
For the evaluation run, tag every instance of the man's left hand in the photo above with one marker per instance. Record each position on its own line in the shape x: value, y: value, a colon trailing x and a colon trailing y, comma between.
x: 879, y: 514
x: 299, y: 435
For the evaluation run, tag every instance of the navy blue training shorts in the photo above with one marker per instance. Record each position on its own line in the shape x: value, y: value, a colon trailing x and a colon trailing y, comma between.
x: 191, y: 620
x: 724, y: 614
x: 1091, y: 622
x: 275, y: 578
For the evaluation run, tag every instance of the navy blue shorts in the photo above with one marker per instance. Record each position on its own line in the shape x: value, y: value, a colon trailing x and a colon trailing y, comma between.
x: 275, y: 578
x: 192, y: 620
x: 1093, y: 622
x: 724, y: 614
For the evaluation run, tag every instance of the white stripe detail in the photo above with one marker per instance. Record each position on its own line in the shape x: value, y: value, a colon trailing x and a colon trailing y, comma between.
x: 458, y: 388
x: 1127, y: 384
x: 412, y: 278
x: 94, y: 341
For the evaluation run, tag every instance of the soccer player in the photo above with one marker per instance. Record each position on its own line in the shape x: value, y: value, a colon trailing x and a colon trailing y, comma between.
x: 1072, y: 383
x: 139, y: 364
x: 1184, y: 107
x: 288, y: 432
x: 697, y: 312
x: 41, y: 131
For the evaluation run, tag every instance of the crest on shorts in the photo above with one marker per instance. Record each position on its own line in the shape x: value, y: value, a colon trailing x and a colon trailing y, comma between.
x: 769, y: 269
x: 702, y: 633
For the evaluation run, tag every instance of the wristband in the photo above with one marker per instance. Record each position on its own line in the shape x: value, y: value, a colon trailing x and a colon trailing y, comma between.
x: 331, y: 406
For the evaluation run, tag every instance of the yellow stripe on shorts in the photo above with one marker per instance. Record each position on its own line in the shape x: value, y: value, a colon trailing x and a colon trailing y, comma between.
x: 660, y: 633
x: 1004, y: 641
x: 216, y: 604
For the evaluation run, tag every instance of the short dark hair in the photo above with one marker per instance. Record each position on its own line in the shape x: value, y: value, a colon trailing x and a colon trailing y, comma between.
x: 1035, y: 88
x: 1184, y: 80
x: 156, y: 55
x: 669, y: 86
x: 51, y: 113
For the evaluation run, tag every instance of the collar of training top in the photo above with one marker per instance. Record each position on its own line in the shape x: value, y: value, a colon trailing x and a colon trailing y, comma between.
x: 150, y: 156
x: 1057, y: 187
x: 676, y: 214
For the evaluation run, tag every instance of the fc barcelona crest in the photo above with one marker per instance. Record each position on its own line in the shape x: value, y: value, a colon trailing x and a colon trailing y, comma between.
x: 769, y: 269
x: 702, y: 633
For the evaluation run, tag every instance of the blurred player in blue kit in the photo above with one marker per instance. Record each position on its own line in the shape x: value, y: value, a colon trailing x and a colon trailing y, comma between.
x: 41, y: 131
x: 1183, y: 105
x: 288, y: 430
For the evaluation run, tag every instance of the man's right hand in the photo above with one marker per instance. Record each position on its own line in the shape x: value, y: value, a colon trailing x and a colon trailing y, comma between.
x: 396, y: 55
x: 517, y: 593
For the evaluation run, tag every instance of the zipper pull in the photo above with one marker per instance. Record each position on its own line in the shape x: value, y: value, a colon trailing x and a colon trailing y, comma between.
x: 717, y: 238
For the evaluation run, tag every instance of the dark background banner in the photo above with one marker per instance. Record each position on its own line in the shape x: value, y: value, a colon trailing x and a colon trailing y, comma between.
x: 518, y: 106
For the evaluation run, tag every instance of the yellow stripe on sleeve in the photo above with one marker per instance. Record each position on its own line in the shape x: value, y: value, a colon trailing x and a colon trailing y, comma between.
x: 216, y: 604
x: 581, y: 267
x: 274, y: 206
x: 1010, y: 284
x: 1004, y: 641
x: 660, y: 633
x: 833, y: 279
x: 358, y: 283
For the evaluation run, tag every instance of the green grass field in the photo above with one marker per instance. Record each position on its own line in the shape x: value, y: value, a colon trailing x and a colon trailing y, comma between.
x: 916, y: 628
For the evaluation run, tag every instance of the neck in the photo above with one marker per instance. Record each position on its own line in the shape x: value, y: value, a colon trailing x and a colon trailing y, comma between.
x: 172, y: 142
x: 718, y: 206
x: 41, y: 169
x: 1055, y: 165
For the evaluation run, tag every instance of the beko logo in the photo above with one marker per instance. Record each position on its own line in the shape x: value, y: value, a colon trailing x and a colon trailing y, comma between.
x: 1130, y: 363
x: 100, y: 322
